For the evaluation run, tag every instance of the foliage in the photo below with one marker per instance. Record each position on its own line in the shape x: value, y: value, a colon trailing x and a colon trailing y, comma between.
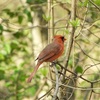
x: 16, y: 49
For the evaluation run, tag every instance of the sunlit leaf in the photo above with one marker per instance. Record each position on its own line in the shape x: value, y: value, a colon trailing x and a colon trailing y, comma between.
x: 7, y: 48
x: 3, y: 52
x: 46, y: 18
x: 7, y: 84
x: 84, y: 3
x: 44, y: 71
x: 2, y: 56
x: 70, y: 62
x: 32, y: 90
x: 66, y: 31
x: 75, y: 23
x: 97, y: 2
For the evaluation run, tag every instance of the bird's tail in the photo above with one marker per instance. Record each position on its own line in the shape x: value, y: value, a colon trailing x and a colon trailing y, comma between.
x: 34, y: 72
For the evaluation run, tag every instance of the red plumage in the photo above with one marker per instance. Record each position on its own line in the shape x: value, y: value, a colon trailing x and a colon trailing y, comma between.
x: 50, y: 53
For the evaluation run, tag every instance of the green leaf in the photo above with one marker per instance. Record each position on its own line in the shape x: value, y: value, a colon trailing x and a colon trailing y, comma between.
x: 36, y: 1
x: 66, y: 31
x: 79, y: 69
x: 20, y: 19
x: 75, y: 23
x: 46, y: 18
x: 70, y: 62
x: 18, y: 34
x: 22, y: 76
x: 9, y: 12
x: 97, y: 2
x: 2, y: 74
x: 14, y: 45
x: 32, y: 90
x: 3, y: 52
x: 29, y: 1
x: 20, y: 86
x: 6, y: 10
x: 7, y: 84
x: 43, y: 71
x: 1, y: 29
x: 2, y: 56
x: 7, y: 48
x: 16, y: 71
x: 83, y: 4
x: 28, y: 13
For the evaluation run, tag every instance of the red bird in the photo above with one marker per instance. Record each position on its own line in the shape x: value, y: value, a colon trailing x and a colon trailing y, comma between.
x: 50, y: 53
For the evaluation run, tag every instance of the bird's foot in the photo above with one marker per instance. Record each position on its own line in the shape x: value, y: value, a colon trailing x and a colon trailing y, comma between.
x: 53, y: 63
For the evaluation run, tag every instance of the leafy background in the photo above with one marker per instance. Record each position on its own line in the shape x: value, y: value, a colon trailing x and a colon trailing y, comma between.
x: 17, y: 53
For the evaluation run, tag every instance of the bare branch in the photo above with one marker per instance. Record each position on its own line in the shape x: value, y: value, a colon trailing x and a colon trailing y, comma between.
x: 57, y: 84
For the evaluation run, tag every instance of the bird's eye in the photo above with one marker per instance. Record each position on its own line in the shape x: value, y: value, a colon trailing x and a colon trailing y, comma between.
x: 63, y: 38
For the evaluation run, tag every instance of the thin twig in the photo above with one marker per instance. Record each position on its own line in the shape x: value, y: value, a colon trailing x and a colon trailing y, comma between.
x: 82, y: 26
x: 74, y: 73
x: 90, y: 67
x: 76, y: 88
x: 71, y: 36
x: 39, y: 90
x: 91, y: 92
x: 45, y: 94
x: 94, y: 4
x: 57, y: 84
x: 86, y: 53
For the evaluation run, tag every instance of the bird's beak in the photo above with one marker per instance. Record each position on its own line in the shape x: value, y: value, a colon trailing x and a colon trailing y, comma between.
x: 65, y: 39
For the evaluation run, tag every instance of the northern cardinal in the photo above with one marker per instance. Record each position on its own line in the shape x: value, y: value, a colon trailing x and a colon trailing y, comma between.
x: 50, y: 53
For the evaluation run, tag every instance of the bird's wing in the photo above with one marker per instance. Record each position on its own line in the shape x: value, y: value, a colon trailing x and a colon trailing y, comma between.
x: 49, y: 51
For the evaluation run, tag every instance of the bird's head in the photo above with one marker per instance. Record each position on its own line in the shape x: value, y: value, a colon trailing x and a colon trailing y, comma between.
x: 59, y: 37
